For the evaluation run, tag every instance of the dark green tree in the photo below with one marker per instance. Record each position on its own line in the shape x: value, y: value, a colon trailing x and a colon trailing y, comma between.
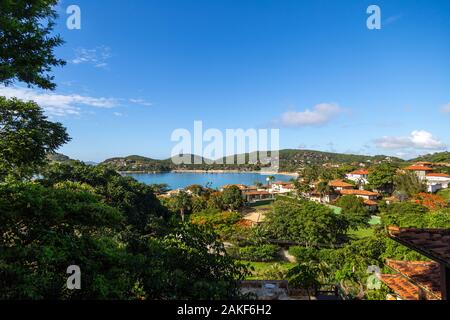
x: 354, y: 210
x: 232, y: 198
x: 409, y: 184
x: 136, y: 200
x: 27, y: 43
x: 381, y: 177
x: 405, y: 214
x: 305, y: 222
x: 304, y: 276
x: 26, y: 137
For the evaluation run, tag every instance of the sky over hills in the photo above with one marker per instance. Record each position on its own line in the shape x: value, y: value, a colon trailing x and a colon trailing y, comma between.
x: 138, y: 70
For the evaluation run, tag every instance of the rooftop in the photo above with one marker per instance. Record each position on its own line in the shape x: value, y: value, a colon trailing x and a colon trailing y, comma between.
x: 370, y: 202
x: 418, y: 168
x: 432, y: 243
x: 358, y: 192
x: 360, y: 172
x: 441, y: 175
x: 340, y: 184
x: 423, y: 274
x: 401, y: 286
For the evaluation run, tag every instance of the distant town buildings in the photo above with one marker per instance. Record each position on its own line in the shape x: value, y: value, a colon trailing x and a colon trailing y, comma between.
x: 360, y: 177
x: 434, y: 181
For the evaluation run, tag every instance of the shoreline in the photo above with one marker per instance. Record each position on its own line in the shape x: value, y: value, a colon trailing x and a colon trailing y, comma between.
x: 292, y: 174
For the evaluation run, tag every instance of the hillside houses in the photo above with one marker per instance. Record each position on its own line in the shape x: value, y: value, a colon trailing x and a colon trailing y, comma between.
x: 253, y: 194
x: 360, y: 177
x: 340, y: 188
x: 434, y: 181
x: 281, y: 187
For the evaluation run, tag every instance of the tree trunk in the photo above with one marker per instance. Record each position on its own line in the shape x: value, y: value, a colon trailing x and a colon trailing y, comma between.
x: 182, y: 214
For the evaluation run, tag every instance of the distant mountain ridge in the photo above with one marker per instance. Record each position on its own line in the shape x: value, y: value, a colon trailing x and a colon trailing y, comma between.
x: 435, y: 157
x: 290, y: 160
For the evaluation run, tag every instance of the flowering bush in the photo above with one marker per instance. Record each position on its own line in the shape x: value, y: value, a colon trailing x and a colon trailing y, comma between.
x: 431, y: 201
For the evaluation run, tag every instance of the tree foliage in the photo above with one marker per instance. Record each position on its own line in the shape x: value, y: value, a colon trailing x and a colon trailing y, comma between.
x: 126, y: 243
x: 381, y: 177
x: 354, y: 210
x: 26, y: 137
x: 232, y: 198
x: 409, y: 184
x: 305, y: 222
x: 27, y: 43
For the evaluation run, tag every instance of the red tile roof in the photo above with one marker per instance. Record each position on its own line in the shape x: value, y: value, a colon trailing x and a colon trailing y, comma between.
x: 442, y: 175
x: 418, y: 168
x: 370, y: 202
x: 358, y: 192
x: 401, y: 286
x: 360, y: 172
x: 426, y: 275
x: 340, y: 184
x: 432, y: 243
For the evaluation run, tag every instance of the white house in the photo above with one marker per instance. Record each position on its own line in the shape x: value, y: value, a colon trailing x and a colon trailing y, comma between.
x: 420, y: 170
x: 281, y: 187
x: 369, y: 197
x: 360, y: 177
x: 437, y: 181
x: 434, y: 181
x: 364, y: 194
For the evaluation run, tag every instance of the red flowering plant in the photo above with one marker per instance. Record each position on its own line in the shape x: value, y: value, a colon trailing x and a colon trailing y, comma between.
x: 431, y: 201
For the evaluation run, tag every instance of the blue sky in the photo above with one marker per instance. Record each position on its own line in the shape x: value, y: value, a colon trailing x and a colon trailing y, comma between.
x: 137, y: 70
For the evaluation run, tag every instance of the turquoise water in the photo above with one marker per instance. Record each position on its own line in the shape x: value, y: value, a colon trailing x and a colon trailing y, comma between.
x: 213, y: 180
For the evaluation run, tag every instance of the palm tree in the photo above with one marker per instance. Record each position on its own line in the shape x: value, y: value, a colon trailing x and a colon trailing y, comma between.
x: 270, y: 179
x: 182, y: 202
x: 324, y: 188
x: 257, y: 184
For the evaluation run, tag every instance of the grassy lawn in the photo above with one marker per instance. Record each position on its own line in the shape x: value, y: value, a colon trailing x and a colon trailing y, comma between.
x: 361, y: 233
x: 260, y: 267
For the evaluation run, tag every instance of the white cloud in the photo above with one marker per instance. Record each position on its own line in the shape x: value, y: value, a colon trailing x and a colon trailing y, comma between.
x: 418, y: 139
x: 58, y: 104
x: 446, y: 108
x: 319, y: 114
x: 97, y: 57
x: 142, y: 102
x: 118, y: 114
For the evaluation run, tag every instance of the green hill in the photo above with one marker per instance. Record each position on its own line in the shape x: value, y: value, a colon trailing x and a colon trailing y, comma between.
x: 435, y: 157
x: 291, y: 160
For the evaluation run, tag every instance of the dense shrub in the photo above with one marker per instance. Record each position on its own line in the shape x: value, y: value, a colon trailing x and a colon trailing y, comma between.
x: 304, y: 255
x: 262, y: 253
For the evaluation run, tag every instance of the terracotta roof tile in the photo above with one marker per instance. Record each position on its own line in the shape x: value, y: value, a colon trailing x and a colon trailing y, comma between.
x: 424, y: 274
x: 433, y: 243
x: 360, y: 172
x: 401, y: 286
x: 441, y: 175
x: 418, y: 168
x: 370, y: 202
x: 340, y: 184
x: 358, y: 192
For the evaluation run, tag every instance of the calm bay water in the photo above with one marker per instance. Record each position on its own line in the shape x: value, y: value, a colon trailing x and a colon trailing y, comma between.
x: 213, y: 180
